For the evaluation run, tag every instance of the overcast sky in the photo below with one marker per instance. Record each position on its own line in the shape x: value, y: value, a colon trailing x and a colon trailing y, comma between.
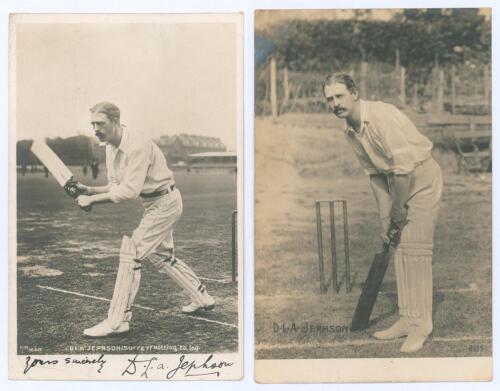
x: 167, y: 78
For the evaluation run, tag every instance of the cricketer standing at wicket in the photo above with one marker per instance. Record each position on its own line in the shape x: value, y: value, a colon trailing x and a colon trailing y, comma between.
x: 137, y: 168
x: 407, y: 185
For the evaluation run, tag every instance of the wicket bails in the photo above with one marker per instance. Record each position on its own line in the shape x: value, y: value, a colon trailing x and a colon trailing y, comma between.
x: 333, y: 245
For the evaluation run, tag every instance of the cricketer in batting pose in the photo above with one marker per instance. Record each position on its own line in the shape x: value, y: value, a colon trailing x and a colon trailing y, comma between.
x: 137, y: 168
x: 407, y: 185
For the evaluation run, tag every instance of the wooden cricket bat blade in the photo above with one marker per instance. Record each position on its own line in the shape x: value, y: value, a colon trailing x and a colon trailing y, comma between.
x: 50, y: 160
x: 371, y: 289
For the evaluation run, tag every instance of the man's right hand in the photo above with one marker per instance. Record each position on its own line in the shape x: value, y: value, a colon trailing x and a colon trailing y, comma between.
x: 84, y: 202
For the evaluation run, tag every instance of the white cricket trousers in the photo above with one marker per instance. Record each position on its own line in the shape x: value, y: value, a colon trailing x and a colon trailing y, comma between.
x: 153, y: 239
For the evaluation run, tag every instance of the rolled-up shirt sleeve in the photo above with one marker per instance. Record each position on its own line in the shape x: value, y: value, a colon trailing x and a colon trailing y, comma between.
x: 395, y: 142
x: 137, y: 165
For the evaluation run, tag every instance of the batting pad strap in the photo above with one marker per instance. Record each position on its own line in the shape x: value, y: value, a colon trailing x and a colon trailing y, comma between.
x: 127, y: 284
x: 417, y: 234
x: 181, y: 273
x: 416, y: 249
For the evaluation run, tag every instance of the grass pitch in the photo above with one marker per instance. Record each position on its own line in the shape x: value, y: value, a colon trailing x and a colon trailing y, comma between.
x: 298, y: 162
x: 67, y: 262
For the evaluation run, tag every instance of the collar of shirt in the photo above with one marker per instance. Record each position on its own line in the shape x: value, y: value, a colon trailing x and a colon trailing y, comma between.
x: 123, y: 142
x: 364, y: 114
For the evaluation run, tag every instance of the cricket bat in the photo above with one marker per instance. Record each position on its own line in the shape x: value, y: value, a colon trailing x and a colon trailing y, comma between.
x: 371, y: 288
x: 57, y: 168
x: 49, y: 159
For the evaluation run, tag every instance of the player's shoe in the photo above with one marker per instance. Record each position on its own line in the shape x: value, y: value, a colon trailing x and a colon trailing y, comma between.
x: 415, y: 340
x: 399, y: 329
x: 207, y: 305
x: 103, y: 329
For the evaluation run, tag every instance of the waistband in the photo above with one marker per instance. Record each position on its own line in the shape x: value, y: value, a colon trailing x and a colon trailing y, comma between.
x: 159, y: 193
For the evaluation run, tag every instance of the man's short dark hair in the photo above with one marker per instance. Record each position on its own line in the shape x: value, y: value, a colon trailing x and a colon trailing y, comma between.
x: 342, y: 78
x: 112, y: 111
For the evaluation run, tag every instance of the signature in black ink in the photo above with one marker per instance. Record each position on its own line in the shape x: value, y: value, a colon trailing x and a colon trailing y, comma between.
x: 87, y: 361
x: 36, y: 361
x: 131, y: 368
x: 186, y: 368
x: 192, y: 368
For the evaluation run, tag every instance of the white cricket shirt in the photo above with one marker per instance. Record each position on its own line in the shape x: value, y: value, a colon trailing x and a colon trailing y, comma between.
x: 388, y: 141
x: 136, y: 166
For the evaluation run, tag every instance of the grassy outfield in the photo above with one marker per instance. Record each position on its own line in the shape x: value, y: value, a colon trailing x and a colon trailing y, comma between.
x: 66, y: 255
x: 300, y: 160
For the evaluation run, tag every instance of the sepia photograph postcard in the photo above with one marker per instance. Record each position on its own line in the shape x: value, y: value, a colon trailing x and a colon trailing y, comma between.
x: 373, y: 195
x: 126, y: 196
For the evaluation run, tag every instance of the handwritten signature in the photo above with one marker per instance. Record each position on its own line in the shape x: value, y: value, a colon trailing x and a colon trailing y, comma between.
x: 184, y: 367
x: 143, y: 367
x: 31, y: 363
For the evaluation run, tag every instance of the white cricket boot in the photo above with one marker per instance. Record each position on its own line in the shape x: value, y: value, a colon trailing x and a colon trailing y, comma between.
x: 103, y: 329
x: 195, y: 306
x: 399, y: 329
x: 415, y: 339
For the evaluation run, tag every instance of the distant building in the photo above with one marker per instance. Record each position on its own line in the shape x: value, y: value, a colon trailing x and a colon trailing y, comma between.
x: 178, y: 147
x: 208, y: 163
x: 181, y: 150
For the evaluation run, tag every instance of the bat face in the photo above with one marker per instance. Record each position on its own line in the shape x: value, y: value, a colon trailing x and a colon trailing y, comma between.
x: 50, y: 160
x: 371, y: 289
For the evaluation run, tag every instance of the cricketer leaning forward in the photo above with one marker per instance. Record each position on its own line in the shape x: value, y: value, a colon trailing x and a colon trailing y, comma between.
x: 407, y: 184
x: 137, y: 168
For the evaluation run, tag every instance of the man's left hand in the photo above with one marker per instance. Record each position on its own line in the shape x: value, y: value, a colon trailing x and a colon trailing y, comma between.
x: 74, y: 188
x: 84, y: 202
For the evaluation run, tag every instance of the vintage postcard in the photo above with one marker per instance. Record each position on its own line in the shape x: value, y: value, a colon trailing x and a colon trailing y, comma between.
x: 125, y: 189
x: 373, y: 195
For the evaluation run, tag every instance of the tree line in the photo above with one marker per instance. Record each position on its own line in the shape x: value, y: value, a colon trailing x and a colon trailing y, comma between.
x: 417, y: 39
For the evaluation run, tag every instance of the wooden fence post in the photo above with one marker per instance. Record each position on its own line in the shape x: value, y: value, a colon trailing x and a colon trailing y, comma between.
x: 266, y: 95
x: 415, y: 95
x: 364, y: 73
x: 402, y: 83
x: 274, y: 101
x: 453, y: 92
x: 432, y: 85
x: 440, y: 92
x: 286, y: 88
